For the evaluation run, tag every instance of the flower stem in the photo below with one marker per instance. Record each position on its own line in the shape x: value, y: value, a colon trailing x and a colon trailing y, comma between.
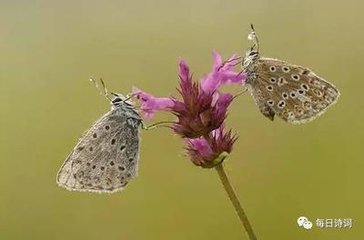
x: 235, y: 201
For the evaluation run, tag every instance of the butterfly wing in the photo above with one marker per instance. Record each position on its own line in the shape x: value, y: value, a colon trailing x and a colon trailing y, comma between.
x: 294, y: 93
x: 106, y: 157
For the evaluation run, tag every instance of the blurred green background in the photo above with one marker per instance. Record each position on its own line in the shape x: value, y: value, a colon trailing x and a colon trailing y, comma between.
x: 48, y: 50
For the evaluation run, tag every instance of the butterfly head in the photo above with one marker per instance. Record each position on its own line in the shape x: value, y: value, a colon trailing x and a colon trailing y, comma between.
x: 250, y: 57
x: 121, y: 100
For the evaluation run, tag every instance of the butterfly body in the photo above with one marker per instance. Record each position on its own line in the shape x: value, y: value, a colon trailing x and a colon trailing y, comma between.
x: 106, y: 158
x: 293, y: 93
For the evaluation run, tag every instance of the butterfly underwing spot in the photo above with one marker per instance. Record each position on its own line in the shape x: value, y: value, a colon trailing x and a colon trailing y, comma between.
x: 285, y: 95
x: 301, y: 91
x: 281, y: 81
x: 281, y: 104
x: 273, y: 80
x: 290, y: 115
x: 270, y: 102
x: 305, y: 72
x: 293, y: 94
x: 295, y: 77
x: 121, y: 178
x: 269, y: 88
x: 305, y: 87
x: 272, y: 68
x: 285, y: 69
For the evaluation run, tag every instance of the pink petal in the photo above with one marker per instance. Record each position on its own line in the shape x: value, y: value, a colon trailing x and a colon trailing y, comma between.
x: 210, y: 83
x: 151, y: 104
x: 230, y: 77
x: 221, y: 75
x: 232, y: 62
x: 184, y: 71
x: 217, y: 60
x: 223, y: 100
x: 201, y: 146
x: 222, y: 103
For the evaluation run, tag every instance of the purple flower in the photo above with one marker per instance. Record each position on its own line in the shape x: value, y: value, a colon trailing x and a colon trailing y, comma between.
x: 210, y: 150
x: 202, y: 108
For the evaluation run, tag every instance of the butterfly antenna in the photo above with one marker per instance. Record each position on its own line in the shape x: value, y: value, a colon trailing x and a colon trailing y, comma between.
x: 253, y: 37
x: 129, y: 96
x: 104, y: 92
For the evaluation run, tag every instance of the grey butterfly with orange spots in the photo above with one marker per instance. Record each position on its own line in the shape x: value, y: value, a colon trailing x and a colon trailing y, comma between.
x: 294, y: 93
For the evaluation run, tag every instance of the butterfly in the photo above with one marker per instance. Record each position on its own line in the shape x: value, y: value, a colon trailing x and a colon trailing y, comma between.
x: 294, y: 93
x: 106, y: 157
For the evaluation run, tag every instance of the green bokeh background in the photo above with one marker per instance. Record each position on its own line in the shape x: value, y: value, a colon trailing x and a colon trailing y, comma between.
x: 48, y: 50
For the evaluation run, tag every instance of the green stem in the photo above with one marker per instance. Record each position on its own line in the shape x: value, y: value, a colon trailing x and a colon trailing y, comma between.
x: 235, y: 201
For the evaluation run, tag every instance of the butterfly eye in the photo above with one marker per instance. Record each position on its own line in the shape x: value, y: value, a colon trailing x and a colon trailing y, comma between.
x: 116, y: 100
x: 253, y: 53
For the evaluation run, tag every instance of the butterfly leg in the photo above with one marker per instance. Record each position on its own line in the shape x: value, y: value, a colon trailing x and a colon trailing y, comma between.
x: 156, y: 125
